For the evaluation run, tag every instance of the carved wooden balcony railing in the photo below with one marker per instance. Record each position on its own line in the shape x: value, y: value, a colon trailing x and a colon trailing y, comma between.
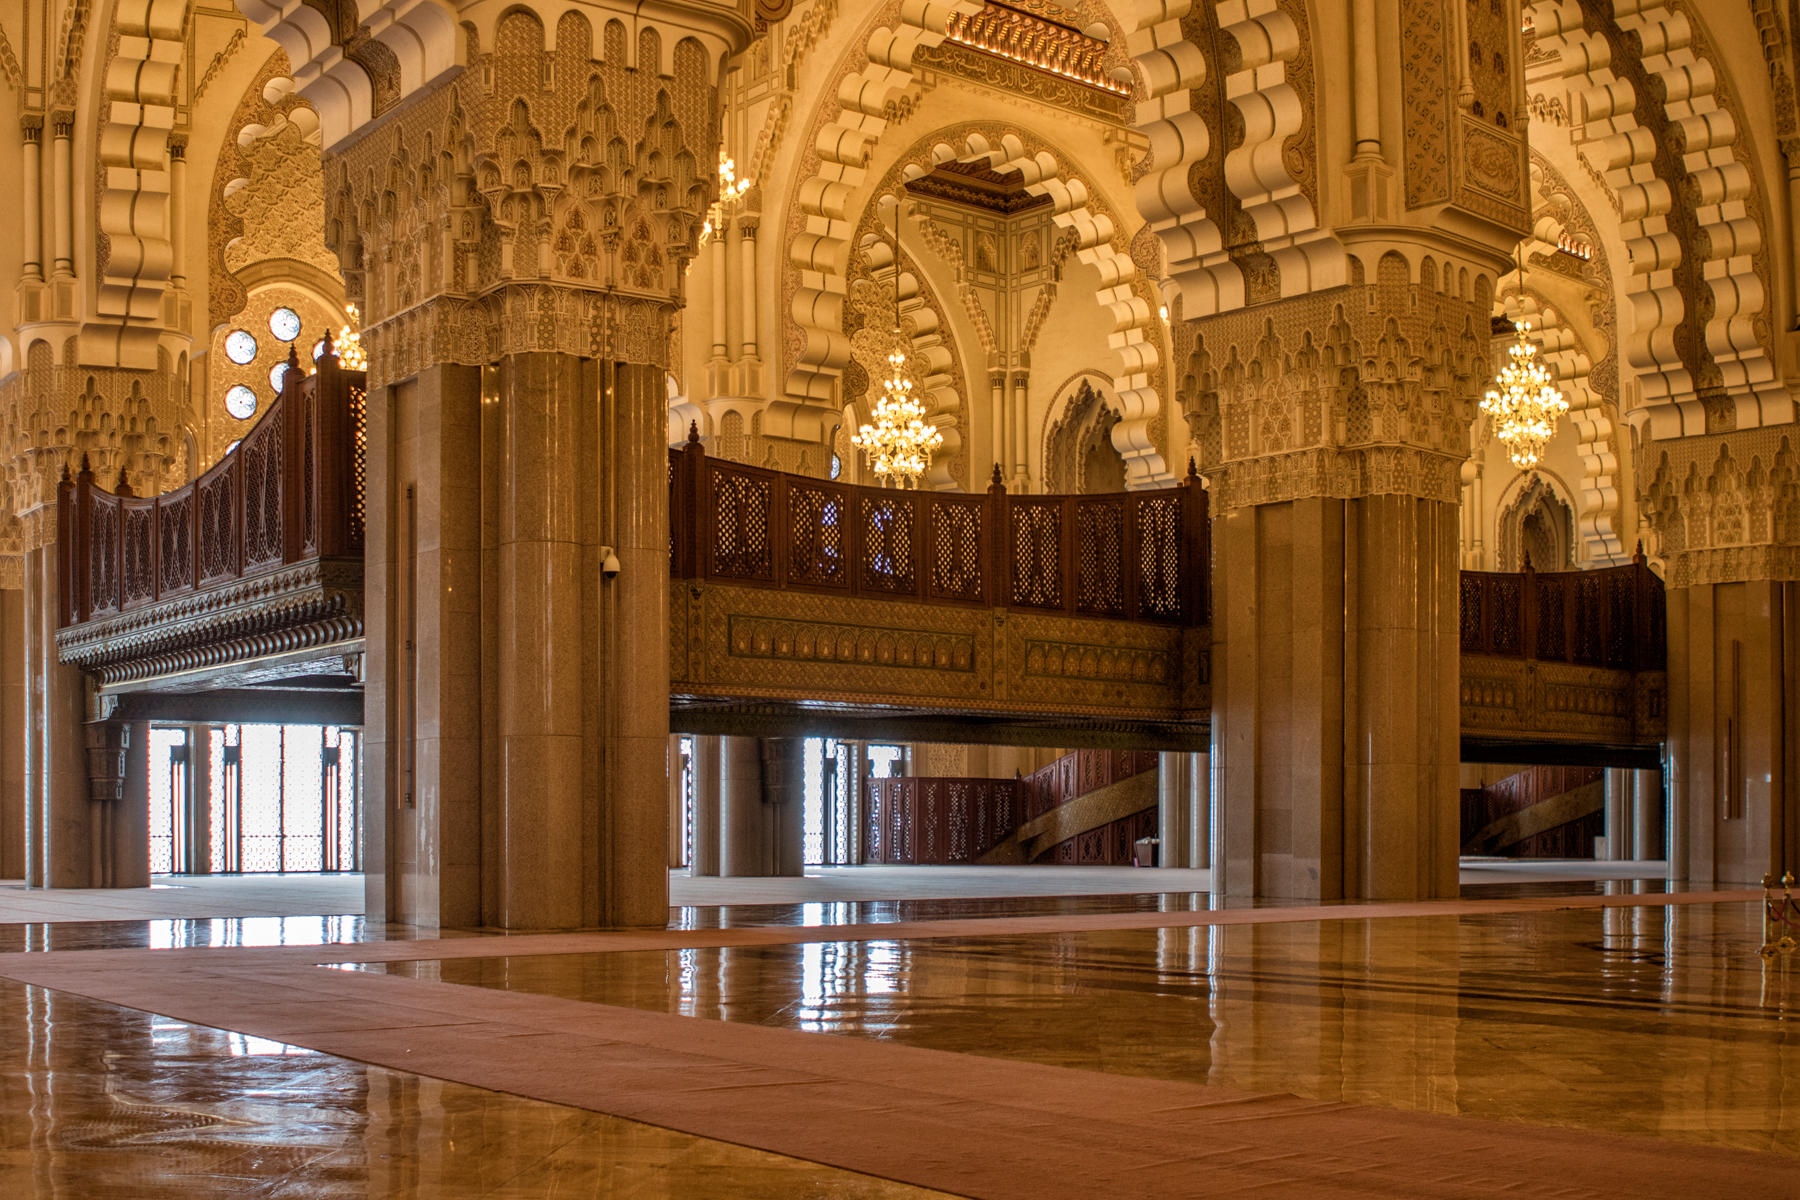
x: 1577, y: 657
x: 1613, y: 617
x: 1135, y: 556
x: 262, y: 554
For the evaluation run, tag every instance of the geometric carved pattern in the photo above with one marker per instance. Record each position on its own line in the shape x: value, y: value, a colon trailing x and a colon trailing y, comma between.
x: 1037, y: 553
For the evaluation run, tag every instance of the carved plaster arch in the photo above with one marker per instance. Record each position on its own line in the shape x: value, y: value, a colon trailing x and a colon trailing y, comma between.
x: 1067, y: 412
x: 1528, y: 493
x: 1265, y: 174
x: 355, y: 59
x: 141, y: 89
x: 1668, y: 144
x: 821, y: 251
x: 1124, y: 294
x: 931, y: 352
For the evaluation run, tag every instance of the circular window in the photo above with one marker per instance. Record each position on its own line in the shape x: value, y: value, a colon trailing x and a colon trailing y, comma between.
x: 240, y: 402
x: 234, y: 445
x: 318, y: 349
x: 277, y: 374
x: 240, y: 346
x: 284, y: 323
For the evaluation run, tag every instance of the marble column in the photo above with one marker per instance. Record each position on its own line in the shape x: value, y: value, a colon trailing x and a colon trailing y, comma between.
x: 128, y: 823
x: 1334, y: 692
x: 12, y: 734
x: 58, y: 833
x: 1183, y: 816
x: 784, y: 782
x: 704, y: 859
x: 1647, y: 816
x: 517, y: 704
x: 541, y: 399
x: 1617, y: 814
x: 1199, y: 847
x: 31, y: 218
x: 743, y: 828
x: 431, y: 727
x: 200, y: 797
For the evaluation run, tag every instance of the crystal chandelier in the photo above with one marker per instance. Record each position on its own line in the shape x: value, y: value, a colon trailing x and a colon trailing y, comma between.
x: 350, y: 354
x: 1524, y: 402
x: 899, y: 441
x: 731, y: 190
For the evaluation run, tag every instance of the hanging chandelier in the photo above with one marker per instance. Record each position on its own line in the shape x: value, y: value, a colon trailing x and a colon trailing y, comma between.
x: 898, y: 440
x: 731, y: 190
x: 1524, y: 402
x: 350, y: 353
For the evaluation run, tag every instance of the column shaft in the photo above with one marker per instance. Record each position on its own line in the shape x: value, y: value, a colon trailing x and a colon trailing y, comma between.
x: 129, y: 821
x: 1172, y: 808
x: 59, y: 829
x: 784, y: 780
x: 13, y: 733
x: 633, y: 691
x: 63, y: 195
x: 542, y: 639
x: 743, y: 830
x: 704, y: 859
x: 747, y: 281
x: 32, y: 218
x: 1334, y: 693
x: 200, y: 797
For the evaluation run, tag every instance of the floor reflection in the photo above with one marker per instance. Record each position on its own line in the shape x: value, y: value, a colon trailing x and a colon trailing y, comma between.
x: 1635, y: 1019
x: 100, y: 1102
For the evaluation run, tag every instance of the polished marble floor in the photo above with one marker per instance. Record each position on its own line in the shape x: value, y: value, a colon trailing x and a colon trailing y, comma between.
x: 99, y: 1102
x: 1656, y: 1020
x: 1030, y: 1046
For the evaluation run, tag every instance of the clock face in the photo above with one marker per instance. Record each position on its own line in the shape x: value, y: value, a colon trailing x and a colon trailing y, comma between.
x: 277, y: 374
x: 284, y: 323
x: 240, y: 346
x: 240, y: 402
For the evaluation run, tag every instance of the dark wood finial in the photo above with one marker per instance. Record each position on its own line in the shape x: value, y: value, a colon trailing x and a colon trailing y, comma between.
x: 1637, y: 556
x: 124, y: 488
x: 1193, y: 468
x: 66, y: 477
x: 293, y: 362
x: 995, y: 477
x: 87, y: 469
x: 330, y: 346
x: 693, y: 433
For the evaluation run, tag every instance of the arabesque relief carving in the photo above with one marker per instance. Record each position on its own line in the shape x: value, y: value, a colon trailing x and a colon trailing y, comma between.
x: 1361, y: 391
x: 511, y: 210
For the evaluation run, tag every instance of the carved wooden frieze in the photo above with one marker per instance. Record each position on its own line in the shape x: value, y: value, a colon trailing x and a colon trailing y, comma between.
x: 729, y: 641
x: 1520, y: 699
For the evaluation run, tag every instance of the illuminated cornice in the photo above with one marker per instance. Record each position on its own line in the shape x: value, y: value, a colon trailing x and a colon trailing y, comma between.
x: 1017, y: 36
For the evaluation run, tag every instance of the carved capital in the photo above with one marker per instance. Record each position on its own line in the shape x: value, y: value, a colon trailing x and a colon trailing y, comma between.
x: 1355, y: 392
